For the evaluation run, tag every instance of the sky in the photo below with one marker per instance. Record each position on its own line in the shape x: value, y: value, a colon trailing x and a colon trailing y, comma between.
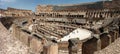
x: 31, y: 4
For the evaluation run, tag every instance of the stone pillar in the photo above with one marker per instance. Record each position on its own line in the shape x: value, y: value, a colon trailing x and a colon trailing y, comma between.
x: 98, y: 44
x: 29, y: 39
x: 17, y: 32
x: 90, y: 46
x: 13, y: 30
x: 73, y: 46
x: 116, y: 34
x: 103, y: 14
x: 50, y: 49
x: 119, y: 30
x: 105, y: 40
x: 110, y: 39
x: 112, y: 36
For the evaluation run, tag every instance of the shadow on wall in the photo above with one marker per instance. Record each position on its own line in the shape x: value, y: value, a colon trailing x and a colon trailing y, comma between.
x: 7, y: 22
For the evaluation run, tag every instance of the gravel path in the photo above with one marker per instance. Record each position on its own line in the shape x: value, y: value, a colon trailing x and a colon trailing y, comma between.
x: 113, y: 48
x: 9, y: 44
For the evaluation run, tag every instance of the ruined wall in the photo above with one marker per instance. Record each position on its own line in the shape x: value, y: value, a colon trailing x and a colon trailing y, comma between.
x: 105, y: 40
x: 34, y: 43
x: 50, y: 49
x: 90, y: 46
x: 43, y: 9
x: 95, y: 44
x: 2, y: 12
x: 98, y: 42
x: 100, y: 9
x: 13, y: 12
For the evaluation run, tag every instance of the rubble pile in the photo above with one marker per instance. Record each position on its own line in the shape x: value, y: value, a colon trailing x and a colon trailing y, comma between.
x: 9, y: 44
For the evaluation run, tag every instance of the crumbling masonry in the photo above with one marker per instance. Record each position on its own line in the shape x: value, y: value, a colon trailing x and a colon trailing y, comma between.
x: 43, y: 31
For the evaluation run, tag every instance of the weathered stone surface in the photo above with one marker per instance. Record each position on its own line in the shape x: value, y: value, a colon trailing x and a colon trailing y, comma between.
x: 19, y: 34
x: 73, y: 45
x: 24, y: 37
x: 112, y: 36
x: 9, y: 44
x: 63, y: 45
x: 90, y: 46
x: 113, y: 48
x: 50, y: 49
x: 36, y: 45
x: 119, y: 31
x: 105, y: 40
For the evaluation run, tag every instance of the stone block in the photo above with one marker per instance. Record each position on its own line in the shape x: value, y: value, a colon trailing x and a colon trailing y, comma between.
x: 90, y: 46
x: 105, y: 40
x: 63, y: 45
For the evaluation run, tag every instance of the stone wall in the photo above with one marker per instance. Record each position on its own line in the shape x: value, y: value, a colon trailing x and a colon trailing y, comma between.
x: 98, y: 42
x: 34, y: 43
x: 105, y: 40
x: 2, y: 12
x: 50, y: 49
x: 90, y: 46
x: 22, y: 36
x: 95, y: 44
x: 13, y: 12
x: 100, y: 9
x: 43, y: 9
x: 116, y: 3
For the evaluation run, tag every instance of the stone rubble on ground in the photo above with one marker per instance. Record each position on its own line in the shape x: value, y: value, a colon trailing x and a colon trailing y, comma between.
x: 9, y: 44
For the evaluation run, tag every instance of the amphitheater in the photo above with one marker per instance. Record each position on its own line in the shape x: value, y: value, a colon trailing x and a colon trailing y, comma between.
x: 88, y: 28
